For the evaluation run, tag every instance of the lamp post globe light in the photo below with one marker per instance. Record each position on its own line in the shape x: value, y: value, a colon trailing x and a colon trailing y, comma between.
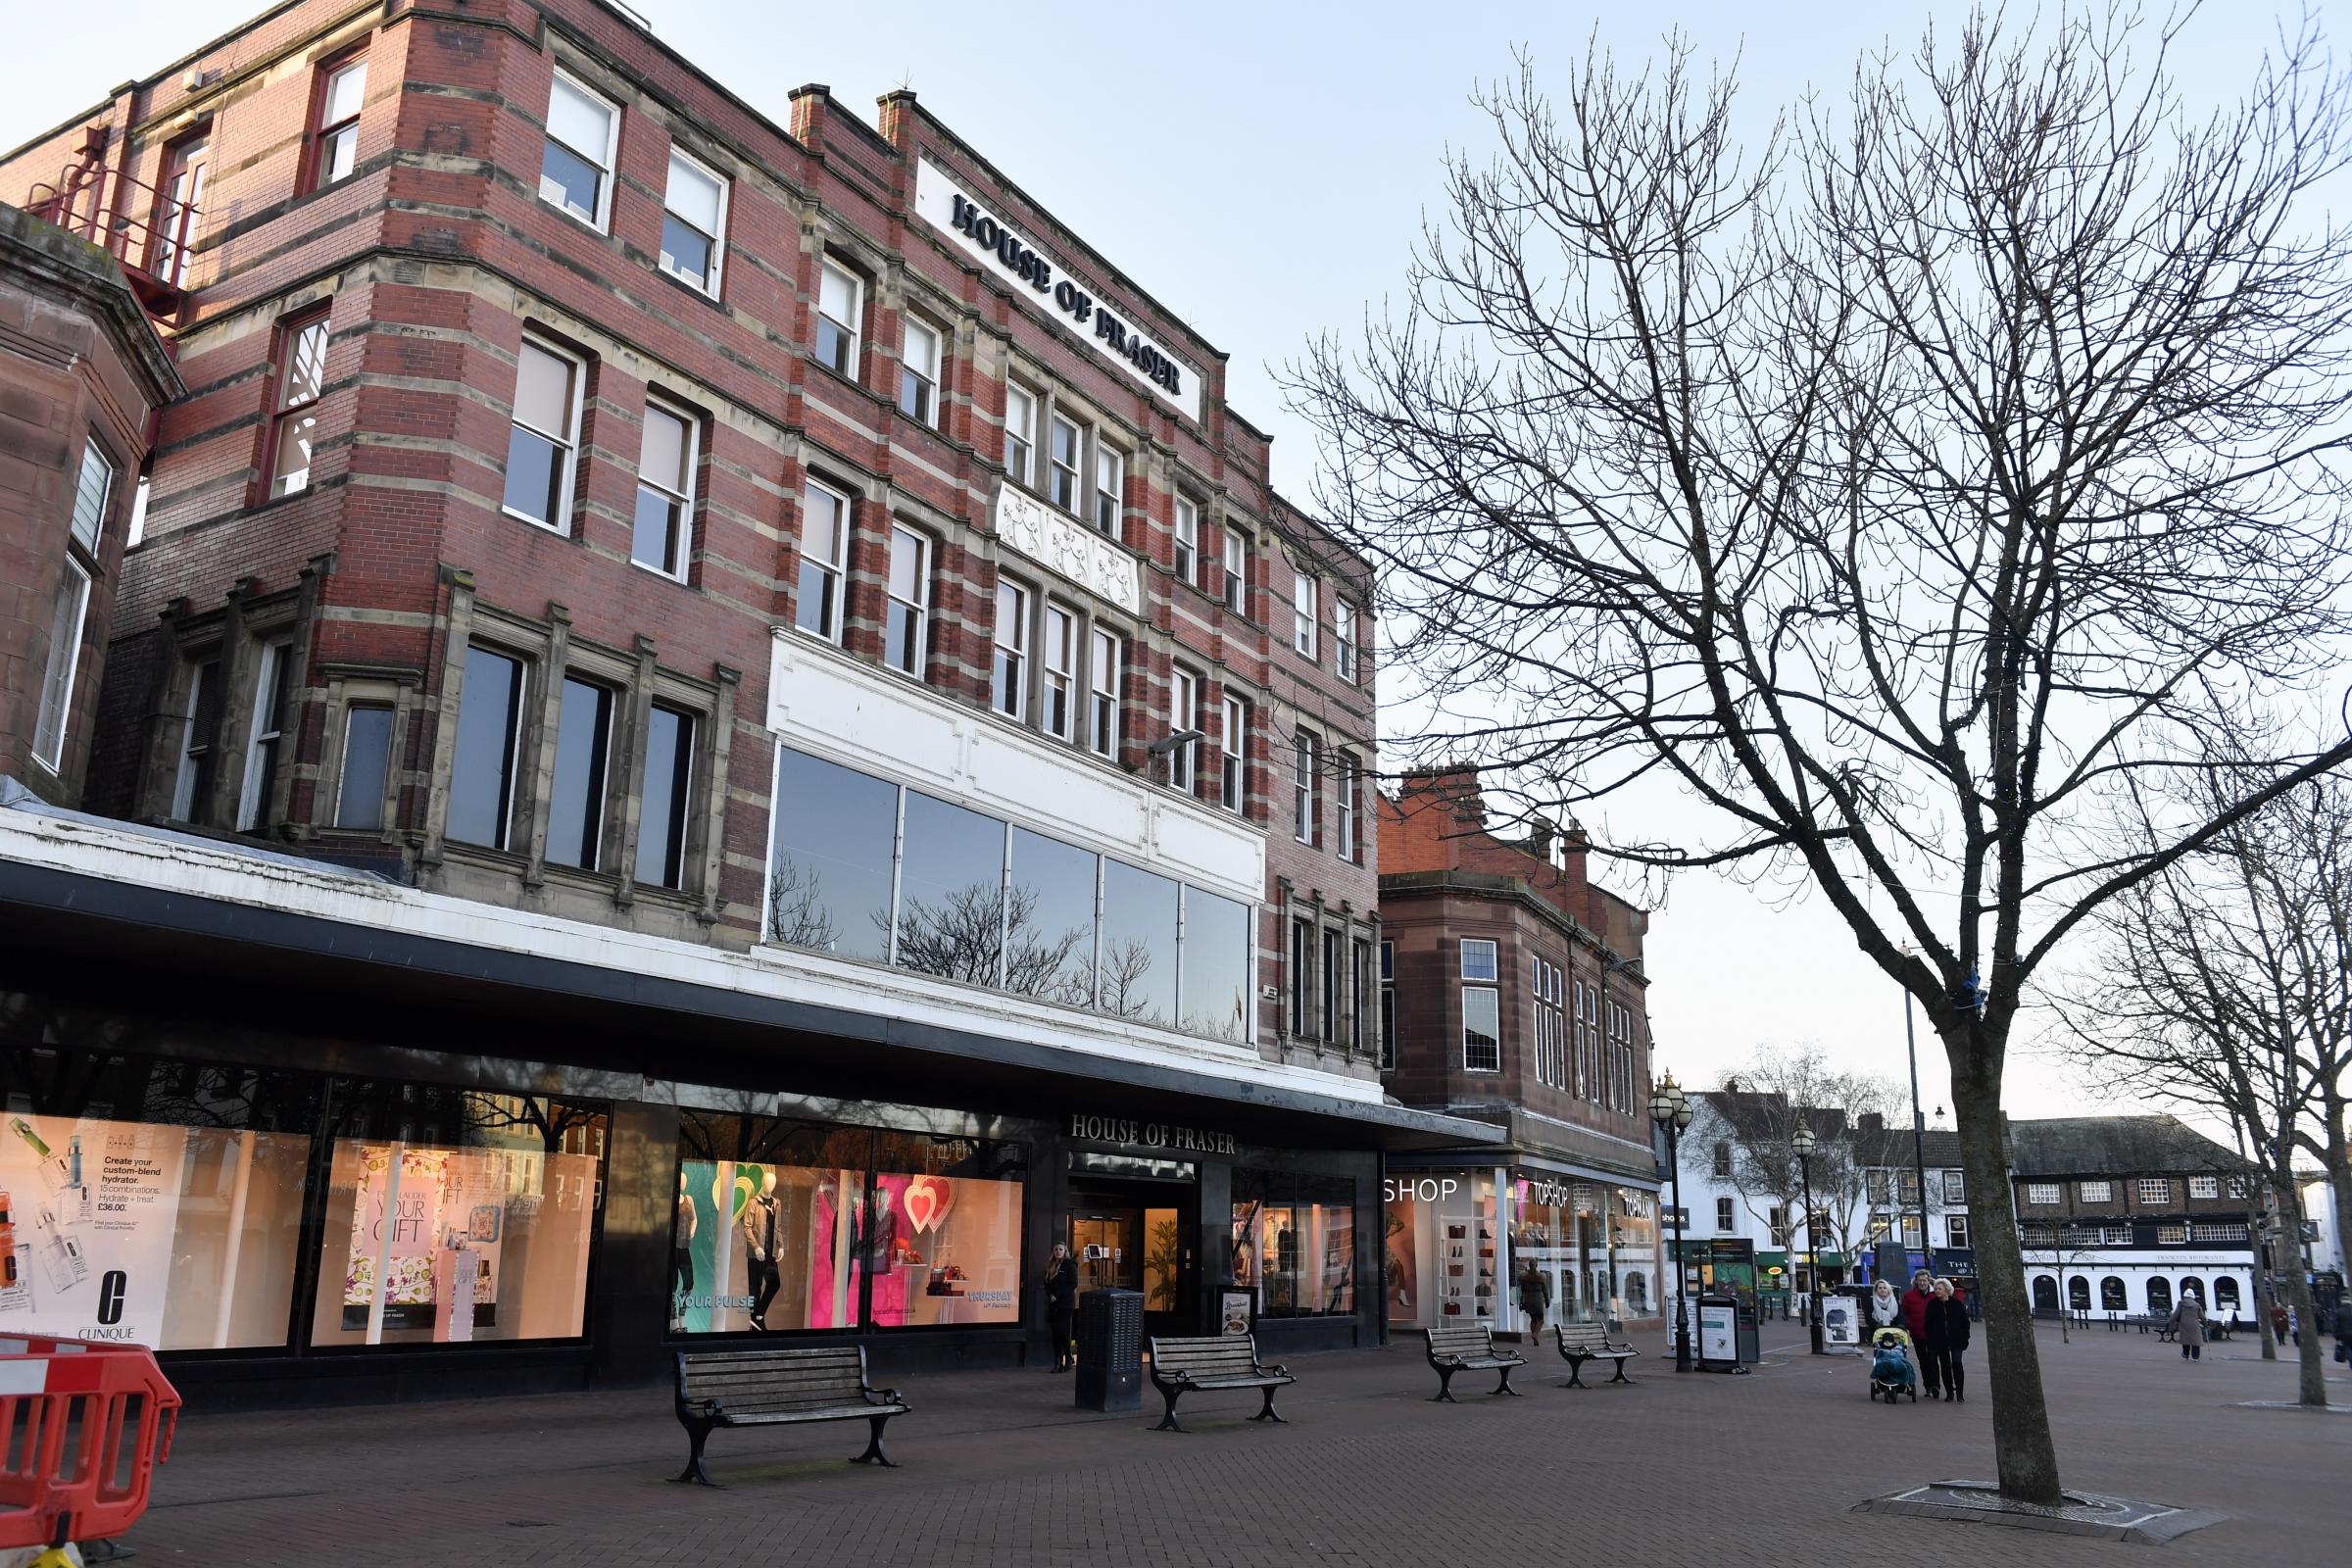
x: 1670, y: 1108
x: 1804, y: 1142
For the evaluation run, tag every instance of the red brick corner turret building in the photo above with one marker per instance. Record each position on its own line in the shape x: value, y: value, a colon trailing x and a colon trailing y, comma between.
x: 1515, y: 995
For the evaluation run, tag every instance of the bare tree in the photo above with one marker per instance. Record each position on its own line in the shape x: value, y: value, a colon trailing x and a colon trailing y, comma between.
x: 1893, y: 490
x: 1763, y: 1103
x: 2214, y: 986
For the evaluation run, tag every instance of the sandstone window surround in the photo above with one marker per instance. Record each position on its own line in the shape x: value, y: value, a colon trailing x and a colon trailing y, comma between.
x: 614, y: 766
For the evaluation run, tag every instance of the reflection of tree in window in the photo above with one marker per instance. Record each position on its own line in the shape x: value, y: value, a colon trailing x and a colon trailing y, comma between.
x: 958, y: 936
x: 1125, y: 969
x: 1042, y: 963
x: 797, y: 915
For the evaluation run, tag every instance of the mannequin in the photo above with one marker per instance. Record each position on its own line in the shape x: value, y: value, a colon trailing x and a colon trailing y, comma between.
x: 762, y: 1234
x: 681, y: 1257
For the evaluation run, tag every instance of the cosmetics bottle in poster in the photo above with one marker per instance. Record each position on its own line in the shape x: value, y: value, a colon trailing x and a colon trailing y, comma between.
x: 74, y: 1201
x: 61, y: 1253
x: 16, y: 1294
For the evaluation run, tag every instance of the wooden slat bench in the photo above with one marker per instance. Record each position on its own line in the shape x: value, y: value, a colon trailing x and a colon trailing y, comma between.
x: 1580, y: 1343
x: 778, y: 1388
x: 1469, y: 1347
x: 1212, y: 1362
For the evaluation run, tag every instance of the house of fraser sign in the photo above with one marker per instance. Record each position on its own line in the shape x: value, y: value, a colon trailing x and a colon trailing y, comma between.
x: 978, y: 231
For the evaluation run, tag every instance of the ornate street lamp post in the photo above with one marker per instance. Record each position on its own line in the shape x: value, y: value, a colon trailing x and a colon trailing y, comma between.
x: 1670, y: 1108
x: 1803, y: 1143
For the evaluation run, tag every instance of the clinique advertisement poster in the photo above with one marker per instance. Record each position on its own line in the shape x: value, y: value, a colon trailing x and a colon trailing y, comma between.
x: 145, y: 1234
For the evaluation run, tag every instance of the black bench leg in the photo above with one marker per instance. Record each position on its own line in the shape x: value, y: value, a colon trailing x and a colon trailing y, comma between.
x: 1576, y: 1375
x: 697, y: 1433
x: 1504, y: 1387
x: 1267, y: 1414
x: 873, y: 1454
x: 1445, y: 1387
x: 1167, y: 1418
x: 1621, y: 1377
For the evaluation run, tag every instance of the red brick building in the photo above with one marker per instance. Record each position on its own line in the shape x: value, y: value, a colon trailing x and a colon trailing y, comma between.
x: 82, y: 374
x: 1517, y: 998
x: 778, y: 560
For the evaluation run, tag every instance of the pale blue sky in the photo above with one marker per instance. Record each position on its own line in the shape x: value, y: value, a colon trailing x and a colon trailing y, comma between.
x: 1262, y: 169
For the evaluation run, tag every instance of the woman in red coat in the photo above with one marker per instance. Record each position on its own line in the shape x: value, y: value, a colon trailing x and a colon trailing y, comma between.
x: 1916, y: 1302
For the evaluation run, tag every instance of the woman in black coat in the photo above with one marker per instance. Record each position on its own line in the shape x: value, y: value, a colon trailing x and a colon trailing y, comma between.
x: 1945, y: 1339
x: 1062, y: 1304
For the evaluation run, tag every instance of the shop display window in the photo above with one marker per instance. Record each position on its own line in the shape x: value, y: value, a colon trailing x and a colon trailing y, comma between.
x: 456, y: 1217
x: 785, y: 1225
x: 150, y: 1201
x: 1294, y: 1242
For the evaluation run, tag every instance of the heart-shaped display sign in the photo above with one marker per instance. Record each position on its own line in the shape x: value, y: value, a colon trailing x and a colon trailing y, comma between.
x: 928, y: 1199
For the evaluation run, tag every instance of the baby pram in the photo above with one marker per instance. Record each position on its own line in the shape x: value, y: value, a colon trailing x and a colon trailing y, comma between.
x: 1891, y: 1371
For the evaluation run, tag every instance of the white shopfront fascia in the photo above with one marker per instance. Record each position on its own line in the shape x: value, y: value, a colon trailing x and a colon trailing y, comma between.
x: 187, y: 863
x: 828, y: 706
x: 1020, y: 262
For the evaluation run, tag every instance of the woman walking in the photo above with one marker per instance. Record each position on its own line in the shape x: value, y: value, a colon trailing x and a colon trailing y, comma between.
x: 1947, y: 1339
x: 1886, y: 1307
x: 1062, y: 1304
x: 2188, y: 1326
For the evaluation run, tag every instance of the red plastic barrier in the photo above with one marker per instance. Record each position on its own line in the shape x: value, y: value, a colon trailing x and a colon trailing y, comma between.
x: 84, y: 1424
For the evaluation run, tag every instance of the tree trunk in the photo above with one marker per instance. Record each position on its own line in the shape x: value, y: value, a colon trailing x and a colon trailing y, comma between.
x: 2261, y: 1273
x: 2027, y: 1459
x: 2312, y: 1381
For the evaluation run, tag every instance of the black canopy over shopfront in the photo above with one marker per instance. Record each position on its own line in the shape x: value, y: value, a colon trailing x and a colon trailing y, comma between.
x: 312, y: 1158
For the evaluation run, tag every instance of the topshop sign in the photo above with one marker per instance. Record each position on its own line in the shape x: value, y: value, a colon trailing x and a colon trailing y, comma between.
x: 981, y: 233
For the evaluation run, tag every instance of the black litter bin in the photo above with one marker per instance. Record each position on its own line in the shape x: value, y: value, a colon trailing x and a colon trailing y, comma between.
x: 1110, y: 1350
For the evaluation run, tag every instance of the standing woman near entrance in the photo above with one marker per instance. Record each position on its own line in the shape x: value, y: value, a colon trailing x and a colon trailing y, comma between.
x: 1062, y: 1304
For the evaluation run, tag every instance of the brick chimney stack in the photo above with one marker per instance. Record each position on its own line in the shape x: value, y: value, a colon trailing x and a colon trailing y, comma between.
x: 1455, y: 788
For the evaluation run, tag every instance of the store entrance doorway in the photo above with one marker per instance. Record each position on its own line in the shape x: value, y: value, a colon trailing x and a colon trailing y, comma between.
x: 1133, y: 1234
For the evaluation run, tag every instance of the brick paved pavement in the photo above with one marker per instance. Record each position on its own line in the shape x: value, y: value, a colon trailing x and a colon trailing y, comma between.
x: 999, y: 1470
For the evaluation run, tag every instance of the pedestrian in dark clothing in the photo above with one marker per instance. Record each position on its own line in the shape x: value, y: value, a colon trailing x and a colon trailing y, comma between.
x: 1062, y: 1304
x: 1916, y: 1302
x: 2343, y: 1329
x: 1535, y: 1296
x: 1947, y: 1340
x: 2188, y: 1326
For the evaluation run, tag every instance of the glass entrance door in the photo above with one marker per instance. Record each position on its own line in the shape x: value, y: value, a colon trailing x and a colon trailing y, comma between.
x: 1104, y: 1241
x: 1136, y: 1240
